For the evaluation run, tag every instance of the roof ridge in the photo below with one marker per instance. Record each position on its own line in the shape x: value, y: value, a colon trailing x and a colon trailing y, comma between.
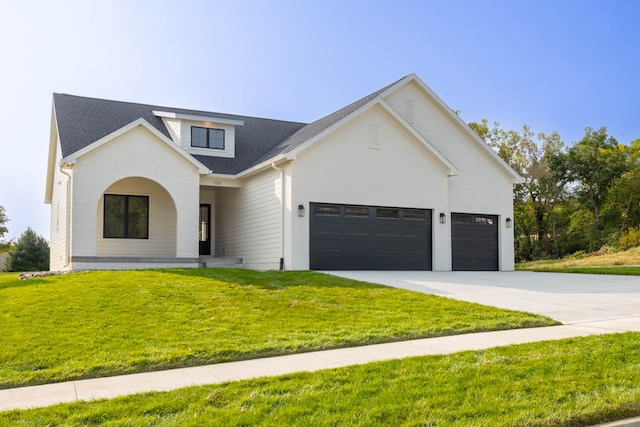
x: 156, y: 107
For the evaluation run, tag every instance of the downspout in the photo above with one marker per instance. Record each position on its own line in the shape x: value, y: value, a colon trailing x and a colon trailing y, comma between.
x: 282, y: 205
x: 67, y: 238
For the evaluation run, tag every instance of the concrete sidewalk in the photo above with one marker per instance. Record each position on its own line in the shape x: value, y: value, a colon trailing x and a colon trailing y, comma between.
x: 109, y: 387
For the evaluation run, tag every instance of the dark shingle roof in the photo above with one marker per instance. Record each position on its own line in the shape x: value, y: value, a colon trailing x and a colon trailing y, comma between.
x: 82, y: 121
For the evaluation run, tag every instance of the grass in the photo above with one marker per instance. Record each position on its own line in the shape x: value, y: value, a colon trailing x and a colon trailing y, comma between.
x: 619, y: 271
x: 106, y: 323
x: 574, y: 382
x: 624, y: 262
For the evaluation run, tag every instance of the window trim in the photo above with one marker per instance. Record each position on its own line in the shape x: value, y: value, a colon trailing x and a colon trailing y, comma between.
x: 209, y: 147
x: 126, y: 216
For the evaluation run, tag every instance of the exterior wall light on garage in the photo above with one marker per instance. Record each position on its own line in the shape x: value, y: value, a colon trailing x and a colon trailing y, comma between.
x: 443, y: 218
x: 509, y: 223
x: 300, y: 210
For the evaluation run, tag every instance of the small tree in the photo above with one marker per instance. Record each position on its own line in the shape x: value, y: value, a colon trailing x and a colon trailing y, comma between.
x: 4, y: 246
x: 30, y: 253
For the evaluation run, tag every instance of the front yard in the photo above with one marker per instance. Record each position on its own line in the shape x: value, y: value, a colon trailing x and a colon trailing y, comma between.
x: 95, y: 324
x: 574, y: 382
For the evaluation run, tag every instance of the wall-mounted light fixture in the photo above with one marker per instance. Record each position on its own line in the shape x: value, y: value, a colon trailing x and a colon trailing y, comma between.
x: 443, y: 218
x: 300, y: 210
x: 509, y: 223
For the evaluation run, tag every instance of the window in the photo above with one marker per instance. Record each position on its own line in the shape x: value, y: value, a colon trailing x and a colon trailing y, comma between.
x: 483, y: 220
x: 356, y: 211
x: 387, y: 213
x: 126, y: 217
x: 207, y: 138
x: 415, y: 215
x: 326, y: 210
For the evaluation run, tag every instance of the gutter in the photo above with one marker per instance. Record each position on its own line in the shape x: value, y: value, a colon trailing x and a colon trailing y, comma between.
x: 67, y: 228
x: 282, y: 212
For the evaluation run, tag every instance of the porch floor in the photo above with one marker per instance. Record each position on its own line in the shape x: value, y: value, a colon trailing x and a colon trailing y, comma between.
x: 213, y: 262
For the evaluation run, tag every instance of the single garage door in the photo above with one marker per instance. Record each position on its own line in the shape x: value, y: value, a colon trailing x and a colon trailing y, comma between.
x: 474, y: 242
x: 349, y: 237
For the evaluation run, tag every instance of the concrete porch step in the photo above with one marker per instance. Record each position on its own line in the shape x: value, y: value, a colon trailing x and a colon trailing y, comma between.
x: 212, y: 262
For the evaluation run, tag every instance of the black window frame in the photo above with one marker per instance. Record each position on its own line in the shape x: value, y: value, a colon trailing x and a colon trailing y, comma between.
x: 125, y: 217
x: 209, y: 132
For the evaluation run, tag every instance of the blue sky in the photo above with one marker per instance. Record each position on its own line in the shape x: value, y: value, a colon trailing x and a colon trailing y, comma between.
x: 557, y: 65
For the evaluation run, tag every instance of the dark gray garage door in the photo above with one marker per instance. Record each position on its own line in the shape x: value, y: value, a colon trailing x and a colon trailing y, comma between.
x: 346, y: 237
x: 474, y: 242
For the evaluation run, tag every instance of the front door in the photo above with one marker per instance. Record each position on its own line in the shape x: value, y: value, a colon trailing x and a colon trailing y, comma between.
x: 204, y: 232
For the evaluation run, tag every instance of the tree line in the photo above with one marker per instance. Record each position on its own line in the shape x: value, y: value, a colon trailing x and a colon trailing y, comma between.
x: 583, y: 197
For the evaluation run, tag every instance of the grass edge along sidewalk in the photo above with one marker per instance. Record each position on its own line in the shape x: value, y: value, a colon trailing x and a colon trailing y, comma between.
x: 576, y: 381
x: 105, y: 323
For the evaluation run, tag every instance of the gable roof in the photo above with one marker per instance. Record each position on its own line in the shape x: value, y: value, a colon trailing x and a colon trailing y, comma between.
x: 517, y: 179
x: 82, y: 121
x: 311, y: 130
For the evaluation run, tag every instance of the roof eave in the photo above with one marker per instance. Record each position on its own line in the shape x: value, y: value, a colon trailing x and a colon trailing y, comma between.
x: 53, y: 148
x: 71, y: 159
x: 516, y: 178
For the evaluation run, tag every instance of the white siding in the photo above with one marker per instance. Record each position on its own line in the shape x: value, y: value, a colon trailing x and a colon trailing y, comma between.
x: 342, y: 168
x: 229, y: 139
x: 483, y: 185
x: 173, y: 125
x: 162, y: 222
x: 137, y: 153
x: 249, y: 222
x: 60, y: 229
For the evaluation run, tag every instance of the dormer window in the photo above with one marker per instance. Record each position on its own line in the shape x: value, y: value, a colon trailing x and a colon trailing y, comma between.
x: 207, y: 138
x: 202, y: 135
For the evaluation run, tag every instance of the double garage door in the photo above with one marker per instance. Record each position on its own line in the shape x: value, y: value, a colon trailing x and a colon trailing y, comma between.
x: 353, y: 237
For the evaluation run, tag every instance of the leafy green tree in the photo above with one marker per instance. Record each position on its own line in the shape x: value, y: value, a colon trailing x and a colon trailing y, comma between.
x: 4, y: 246
x: 591, y: 166
x: 30, y: 253
x: 530, y: 155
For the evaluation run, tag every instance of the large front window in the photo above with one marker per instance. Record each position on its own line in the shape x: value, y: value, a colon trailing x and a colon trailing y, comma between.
x: 207, y: 138
x: 126, y: 217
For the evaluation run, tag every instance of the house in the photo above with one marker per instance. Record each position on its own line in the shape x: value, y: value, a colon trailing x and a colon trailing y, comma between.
x: 395, y: 181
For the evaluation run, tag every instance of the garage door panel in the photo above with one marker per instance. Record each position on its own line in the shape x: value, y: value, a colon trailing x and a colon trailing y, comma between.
x: 369, y: 238
x: 474, y: 242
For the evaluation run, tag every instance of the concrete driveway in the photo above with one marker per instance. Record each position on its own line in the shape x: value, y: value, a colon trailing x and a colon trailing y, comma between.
x: 568, y: 298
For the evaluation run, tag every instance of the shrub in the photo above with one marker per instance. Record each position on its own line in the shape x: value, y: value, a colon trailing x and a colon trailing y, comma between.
x: 629, y: 239
x: 30, y: 253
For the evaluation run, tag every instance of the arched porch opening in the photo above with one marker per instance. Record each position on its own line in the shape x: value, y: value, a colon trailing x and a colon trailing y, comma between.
x: 136, y: 217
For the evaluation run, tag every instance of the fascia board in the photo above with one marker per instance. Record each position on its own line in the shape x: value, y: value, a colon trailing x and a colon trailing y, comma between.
x: 195, y: 118
x: 220, y: 180
x: 264, y: 165
x: 302, y: 147
x: 453, y: 170
x: 53, y: 148
x: 517, y: 179
x: 71, y: 159
x: 376, y: 101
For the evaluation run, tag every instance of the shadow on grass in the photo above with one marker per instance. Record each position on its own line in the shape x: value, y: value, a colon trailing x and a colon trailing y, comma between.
x: 17, y: 283
x: 272, y: 279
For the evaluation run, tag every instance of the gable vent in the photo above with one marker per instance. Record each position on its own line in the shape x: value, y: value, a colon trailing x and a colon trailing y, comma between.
x: 374, y: 136
x: 408, y: 110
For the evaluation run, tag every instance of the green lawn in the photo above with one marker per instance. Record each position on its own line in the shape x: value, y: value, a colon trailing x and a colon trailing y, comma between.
x: 623, y: 263
x: 574, y: 382
x: 104, y: 323
x: 620, y: 271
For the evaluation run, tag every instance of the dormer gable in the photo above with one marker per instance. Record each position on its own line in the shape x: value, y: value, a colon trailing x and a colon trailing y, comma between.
x: 202, y: 135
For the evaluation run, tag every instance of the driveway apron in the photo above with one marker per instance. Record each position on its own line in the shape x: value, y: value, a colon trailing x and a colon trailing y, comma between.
x: 568, y: 298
